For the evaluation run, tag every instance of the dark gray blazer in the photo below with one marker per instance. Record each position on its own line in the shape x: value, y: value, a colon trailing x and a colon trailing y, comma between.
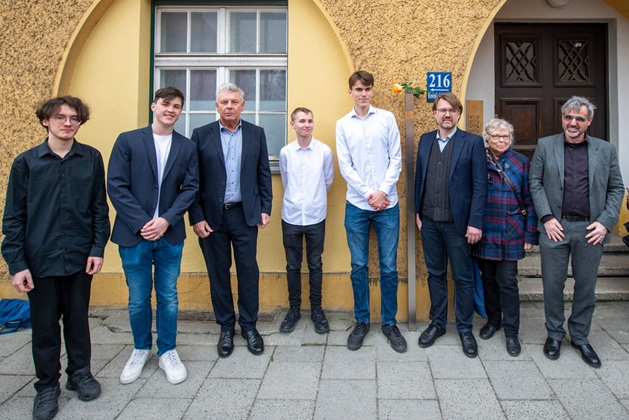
x: 546, y: 180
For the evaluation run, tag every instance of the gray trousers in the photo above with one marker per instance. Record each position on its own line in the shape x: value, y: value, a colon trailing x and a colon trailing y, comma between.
x: 586, y: 259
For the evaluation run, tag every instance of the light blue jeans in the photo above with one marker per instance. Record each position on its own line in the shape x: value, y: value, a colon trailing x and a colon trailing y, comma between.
x: 138, y: 262
x: 387, y: 226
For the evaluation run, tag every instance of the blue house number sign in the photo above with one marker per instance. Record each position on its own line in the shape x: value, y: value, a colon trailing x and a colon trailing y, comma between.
x: 437, y: 82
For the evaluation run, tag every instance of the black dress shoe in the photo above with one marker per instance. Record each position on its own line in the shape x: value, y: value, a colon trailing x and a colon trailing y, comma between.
x: 488, y: 330
x: 552, y: 348
x: 430, y: 334
x: 470, y: 348
x: 588, y: 354
x: 225, y: 344
x: 290, y: 321
x: 255, y: 344
x: 513, y: 346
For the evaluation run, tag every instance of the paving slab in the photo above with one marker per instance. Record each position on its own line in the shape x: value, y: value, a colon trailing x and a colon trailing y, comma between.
x: 519, y: 380
x: 307, y: 353
x: 152, y: 408
x: 538, y: 409
x: 405, y: 380
x: 291, y: 381
x: 11, y: 384
x: 221, y: 398
x: 282, y: 410
x: 340, y: 363
x: 158, y: 387
x: 449, y: 362
x: 242, y: 364
x: 400, y: 409
x: 615, y: 376
x: 343, y: 399
x: 468, y: 399
x: 568, y: 366
x: 588, y: 399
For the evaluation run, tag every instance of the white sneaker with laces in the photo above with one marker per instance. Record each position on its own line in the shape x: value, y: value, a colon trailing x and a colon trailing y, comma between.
x: 171, y: 364
x: 133, y: 369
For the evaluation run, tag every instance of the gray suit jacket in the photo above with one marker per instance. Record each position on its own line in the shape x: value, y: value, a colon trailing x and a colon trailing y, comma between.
x: 546, y: 180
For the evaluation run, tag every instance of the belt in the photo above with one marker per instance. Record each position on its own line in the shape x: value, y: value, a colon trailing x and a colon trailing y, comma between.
x: 576, y: 218
x: 228, y: 206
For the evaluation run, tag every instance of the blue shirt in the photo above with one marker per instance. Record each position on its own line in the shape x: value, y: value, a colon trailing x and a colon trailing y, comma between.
x: 443, y: 142
x: 231, y: 143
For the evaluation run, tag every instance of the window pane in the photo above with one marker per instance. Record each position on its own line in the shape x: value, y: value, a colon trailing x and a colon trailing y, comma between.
x: 272, y: 90
x: 174, y: 32
x: 273, y: 33
x: 174, y: 78
x: 180, y: 125
x: 242, y: 37
x: 203, y: 32
x: 246, y: 80
x: 202, y: 90
x: 198, y: 120
x: 275, y: 130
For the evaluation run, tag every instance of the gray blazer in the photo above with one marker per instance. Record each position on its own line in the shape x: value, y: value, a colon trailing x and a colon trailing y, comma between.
x: 546, y: 180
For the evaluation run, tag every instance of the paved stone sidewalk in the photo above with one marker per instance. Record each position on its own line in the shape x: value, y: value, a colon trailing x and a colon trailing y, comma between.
x: 304, y: 375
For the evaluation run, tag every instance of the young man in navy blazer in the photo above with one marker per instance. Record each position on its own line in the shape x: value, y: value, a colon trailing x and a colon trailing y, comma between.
x: 152, y: 181
x: 234, y: 202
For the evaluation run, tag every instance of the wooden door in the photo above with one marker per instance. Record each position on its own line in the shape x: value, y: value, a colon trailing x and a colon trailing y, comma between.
x: 539, y: 66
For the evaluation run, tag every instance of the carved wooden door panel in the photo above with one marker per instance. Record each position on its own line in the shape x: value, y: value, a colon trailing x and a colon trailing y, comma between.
x: 540, y: 66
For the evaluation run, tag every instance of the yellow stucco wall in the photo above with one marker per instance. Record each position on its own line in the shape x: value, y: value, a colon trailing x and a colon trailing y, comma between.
x: 100, y: 50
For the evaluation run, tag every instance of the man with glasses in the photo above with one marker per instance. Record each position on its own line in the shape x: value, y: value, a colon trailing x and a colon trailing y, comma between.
x: 577, y: 190
x: 56, y: 225
x: 450, y: 195
x: 153, y: 180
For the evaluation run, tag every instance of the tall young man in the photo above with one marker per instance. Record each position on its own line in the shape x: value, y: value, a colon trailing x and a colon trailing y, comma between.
x: 152, y: 180
x: 307, y: 170
x: 56, y: 225
x: 370, y: 160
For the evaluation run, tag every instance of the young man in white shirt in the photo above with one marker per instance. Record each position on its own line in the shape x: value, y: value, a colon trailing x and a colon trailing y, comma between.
x: 370, y: 160
x: 307, y: 170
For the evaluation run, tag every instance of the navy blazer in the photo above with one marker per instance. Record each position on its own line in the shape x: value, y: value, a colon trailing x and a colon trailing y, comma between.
x: 255, y: 175
x: 133, y: 189
x: 468, y: 178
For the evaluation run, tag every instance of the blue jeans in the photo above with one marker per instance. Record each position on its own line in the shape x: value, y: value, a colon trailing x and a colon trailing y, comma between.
x: 138, y: 262
x: 387, y: 226
x: 441, y: 243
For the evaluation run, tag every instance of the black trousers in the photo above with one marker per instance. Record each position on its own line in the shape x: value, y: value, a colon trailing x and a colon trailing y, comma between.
x: 293, y: 238
x: 217, y: 252
x: 502, y: 296
x: 54, y: 298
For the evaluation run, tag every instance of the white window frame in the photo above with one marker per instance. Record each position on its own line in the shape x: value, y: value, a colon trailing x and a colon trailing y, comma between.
x: 222, y: 61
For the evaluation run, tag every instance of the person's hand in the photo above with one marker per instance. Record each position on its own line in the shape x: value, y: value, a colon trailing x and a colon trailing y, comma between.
x: 597, y: 233
x: 202, y: 229
x: 265, y: 220
x: 528, y: 247
x: 154, y: 229
x: 23, y: 281
x: 94, y: 265
x: 378, y: 200
x: 554, y: 230
x: 473, y: 234
x: 419, y: 222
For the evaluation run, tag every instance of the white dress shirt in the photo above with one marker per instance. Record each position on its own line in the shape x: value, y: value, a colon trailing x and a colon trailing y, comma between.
x: 307, y: 175
x: 369, y: 154
x: 162, y: 150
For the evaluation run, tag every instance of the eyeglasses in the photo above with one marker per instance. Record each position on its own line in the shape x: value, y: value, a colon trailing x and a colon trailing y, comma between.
x: 568, y: 118
x: 444, y: 111
x: 61, y: 119
x: 497, y: 137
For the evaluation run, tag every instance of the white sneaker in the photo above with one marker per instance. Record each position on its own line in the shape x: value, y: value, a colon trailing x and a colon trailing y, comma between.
x: 133, y: 369
x: 171, y: 364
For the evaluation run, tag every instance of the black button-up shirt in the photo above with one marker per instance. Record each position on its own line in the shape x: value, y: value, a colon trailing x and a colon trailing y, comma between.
x: 56, y: 213
x: 576, y: 192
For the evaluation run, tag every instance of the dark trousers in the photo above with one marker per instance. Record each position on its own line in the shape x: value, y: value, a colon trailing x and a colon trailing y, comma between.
x: 293, y: 238
x: 217, y: 251
x: 52, y: 299
x: 502, y: 296
x: 441, y: 243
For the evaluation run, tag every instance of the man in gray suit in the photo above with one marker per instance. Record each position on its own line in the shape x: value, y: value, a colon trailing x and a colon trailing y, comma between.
x: 577, y: 189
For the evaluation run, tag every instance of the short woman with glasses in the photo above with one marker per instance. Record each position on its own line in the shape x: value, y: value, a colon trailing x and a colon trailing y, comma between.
x: 509, y: 228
